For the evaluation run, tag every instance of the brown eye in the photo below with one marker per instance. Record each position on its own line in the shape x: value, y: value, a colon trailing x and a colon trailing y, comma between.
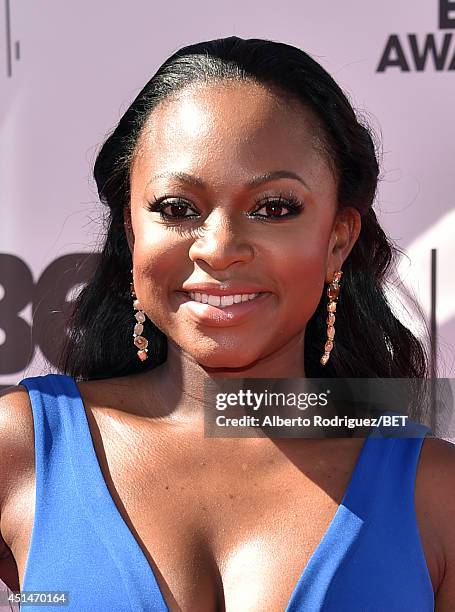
x: 274, y: 208
x: 176, y: 208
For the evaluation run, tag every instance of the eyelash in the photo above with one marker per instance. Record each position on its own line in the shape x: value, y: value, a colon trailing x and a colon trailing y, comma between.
x: 290, y: 201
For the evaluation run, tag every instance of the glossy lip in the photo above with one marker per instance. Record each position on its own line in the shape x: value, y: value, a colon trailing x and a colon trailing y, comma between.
x: 223, y: 317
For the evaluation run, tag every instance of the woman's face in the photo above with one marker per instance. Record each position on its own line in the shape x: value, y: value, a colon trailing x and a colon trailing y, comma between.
x: 250, y: 207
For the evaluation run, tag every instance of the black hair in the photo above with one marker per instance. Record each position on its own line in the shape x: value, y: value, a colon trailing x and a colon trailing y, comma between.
x: 370, y: 340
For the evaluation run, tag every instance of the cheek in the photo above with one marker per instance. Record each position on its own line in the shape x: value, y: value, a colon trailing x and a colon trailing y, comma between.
x: 158, y: 256
x: 300, y: 269
x: 305, y: 260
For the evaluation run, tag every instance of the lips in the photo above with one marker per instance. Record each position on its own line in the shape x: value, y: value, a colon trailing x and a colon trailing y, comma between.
x: 226, y: 316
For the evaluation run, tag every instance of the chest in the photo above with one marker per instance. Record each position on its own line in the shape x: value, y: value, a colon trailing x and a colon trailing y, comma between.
x: 223, y: 524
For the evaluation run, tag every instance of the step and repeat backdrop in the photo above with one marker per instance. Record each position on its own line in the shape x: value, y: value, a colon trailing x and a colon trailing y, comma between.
x: 68, y: 70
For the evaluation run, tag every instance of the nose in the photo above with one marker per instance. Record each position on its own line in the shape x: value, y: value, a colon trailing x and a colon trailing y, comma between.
x: 220, y: 242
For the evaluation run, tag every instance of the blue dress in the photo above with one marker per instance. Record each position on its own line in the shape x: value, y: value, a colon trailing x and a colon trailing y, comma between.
x: 370, y: 559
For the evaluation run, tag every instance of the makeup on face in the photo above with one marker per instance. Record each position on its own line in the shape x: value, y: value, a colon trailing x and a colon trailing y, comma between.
x: 232, y: 213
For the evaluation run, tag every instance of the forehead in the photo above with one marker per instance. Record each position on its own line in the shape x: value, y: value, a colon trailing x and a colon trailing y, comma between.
x: 228, y: 128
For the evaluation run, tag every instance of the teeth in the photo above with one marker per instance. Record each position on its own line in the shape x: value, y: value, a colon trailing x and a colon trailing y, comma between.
x: 222, y: 300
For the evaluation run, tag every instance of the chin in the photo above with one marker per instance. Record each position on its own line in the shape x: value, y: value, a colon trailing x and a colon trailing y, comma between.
x: 227, y: 368
x: 225, y: 358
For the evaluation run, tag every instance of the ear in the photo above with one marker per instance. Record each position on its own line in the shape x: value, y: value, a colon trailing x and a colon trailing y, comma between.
x: 345, y: 231
x: 128, y: 228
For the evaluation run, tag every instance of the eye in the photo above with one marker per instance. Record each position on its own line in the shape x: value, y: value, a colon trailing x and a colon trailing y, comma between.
x: 274, y: 207
x: 177, y: 208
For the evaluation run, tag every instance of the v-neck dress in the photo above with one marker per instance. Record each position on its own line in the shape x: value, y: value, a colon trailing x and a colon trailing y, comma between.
x: 370, y: 559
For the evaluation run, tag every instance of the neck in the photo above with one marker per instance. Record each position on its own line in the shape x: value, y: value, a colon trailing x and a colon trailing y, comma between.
x: 177, y: 386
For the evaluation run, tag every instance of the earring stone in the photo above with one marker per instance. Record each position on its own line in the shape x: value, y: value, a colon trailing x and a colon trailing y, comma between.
x: 139, y: 341
x: 333, y: 291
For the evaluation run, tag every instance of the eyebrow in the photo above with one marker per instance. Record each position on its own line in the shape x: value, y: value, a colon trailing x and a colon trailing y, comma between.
x: 254, y: 182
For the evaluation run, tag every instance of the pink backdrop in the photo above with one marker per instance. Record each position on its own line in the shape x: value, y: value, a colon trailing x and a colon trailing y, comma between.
x: 69, y: 69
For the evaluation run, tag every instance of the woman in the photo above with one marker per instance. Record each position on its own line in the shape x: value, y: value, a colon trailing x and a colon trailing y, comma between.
x: 239, y: 172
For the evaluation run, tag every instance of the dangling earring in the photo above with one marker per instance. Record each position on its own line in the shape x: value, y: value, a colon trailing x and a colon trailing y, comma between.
x: 333, y: 291
x: 139, y: 340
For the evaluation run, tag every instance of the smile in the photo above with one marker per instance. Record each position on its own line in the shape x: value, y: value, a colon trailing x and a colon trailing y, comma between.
x: 221, y: 301
x: 225, y: 310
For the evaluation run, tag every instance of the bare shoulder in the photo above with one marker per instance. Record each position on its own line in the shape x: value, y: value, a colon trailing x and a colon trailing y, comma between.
x: 437, y: 470
x: 435, y: 485
x: 16, y: 438
x: 16, y: 446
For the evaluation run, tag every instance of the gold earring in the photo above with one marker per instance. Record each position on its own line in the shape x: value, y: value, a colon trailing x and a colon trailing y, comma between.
x: 139, y: 341
x: 333, y: 291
